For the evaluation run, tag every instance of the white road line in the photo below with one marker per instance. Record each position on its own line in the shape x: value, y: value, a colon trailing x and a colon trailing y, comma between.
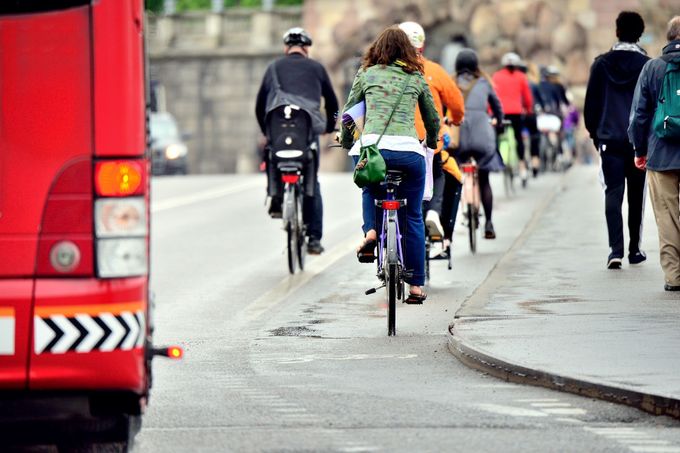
x: 358, y: 449
x: 569, y: 420
x: 213, y: 194
x: 290, y: 284
x: 290, y: 409
x: 564, y: 411
x: 550, y: 404
x: 631, y: 435
x: 511, y: 410
x: 655, y: 449
x: 636, y: 441
x: 537, y: 400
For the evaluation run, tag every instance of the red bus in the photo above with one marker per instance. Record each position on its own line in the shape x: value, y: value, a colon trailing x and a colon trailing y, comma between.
x: 75, y: 344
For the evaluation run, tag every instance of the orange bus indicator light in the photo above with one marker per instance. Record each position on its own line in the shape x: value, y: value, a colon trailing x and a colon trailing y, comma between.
x: 175, y: 352
x: 119, y: 178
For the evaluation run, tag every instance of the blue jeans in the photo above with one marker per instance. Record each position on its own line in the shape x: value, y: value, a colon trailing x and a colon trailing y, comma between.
x: 410, y: 216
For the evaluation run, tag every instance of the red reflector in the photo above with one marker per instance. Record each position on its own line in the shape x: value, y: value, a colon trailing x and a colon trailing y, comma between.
x: 119, y: 178
x: 390, y: 205
x: 468, y: 168
x: 290, y: 178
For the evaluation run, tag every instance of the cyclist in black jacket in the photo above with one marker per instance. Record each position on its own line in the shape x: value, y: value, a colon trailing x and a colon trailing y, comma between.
x: 607, y: 107
x: 301, y: 76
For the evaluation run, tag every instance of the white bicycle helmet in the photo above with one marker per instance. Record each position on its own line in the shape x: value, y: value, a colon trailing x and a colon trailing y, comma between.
x: 511, y: 59
x: 297, y: 36
x: 415, y: 33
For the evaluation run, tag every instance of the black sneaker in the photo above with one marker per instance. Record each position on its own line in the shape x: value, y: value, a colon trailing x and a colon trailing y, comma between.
x: 668, y: 287
x: 637, y: 257
x: 614, y: 262
x: 314, y: 246
x: 489, y: 232
x: 275, y: 211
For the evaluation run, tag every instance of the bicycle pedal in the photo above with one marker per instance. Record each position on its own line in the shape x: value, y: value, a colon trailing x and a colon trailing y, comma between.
x: 373, y: 290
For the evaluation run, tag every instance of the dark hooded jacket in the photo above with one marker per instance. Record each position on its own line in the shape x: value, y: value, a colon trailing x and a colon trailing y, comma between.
x: 662, y: 154
x: 609, y: 95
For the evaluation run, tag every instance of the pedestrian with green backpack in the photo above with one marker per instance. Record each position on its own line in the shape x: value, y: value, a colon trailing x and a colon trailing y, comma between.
x: 654, y: 131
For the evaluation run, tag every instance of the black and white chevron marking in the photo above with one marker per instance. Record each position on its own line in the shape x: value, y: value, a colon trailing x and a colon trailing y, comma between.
x: 58, y: 334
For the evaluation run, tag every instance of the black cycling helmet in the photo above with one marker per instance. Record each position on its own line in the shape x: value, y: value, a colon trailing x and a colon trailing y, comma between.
x: 467, y: 61
x: 297, y: 36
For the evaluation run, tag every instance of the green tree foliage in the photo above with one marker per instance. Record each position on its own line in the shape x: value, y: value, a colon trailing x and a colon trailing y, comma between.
x: 188, y: 5
x: 154, y: 5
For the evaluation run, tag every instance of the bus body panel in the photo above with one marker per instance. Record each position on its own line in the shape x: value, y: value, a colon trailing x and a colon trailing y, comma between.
x: 119, y: 110
x: 72, y: 91
x: 89, y: 334
x: 45, y: 121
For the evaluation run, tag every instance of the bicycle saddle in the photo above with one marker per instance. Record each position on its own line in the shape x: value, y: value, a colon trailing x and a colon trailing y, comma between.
x: 394, y: 176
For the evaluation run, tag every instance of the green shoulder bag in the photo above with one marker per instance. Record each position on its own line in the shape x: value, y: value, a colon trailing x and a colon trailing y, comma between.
x: 371, y: 167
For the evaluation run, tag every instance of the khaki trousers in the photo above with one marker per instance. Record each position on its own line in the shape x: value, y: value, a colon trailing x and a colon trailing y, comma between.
x: 664, y: 190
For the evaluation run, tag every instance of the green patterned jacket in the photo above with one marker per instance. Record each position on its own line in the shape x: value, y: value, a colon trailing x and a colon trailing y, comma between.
x: 379, y: 86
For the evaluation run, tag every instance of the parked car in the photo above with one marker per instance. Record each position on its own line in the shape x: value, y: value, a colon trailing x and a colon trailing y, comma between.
x: 168, y: 150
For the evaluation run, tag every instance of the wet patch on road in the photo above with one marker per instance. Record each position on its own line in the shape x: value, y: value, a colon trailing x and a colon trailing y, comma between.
x: 293, y: 331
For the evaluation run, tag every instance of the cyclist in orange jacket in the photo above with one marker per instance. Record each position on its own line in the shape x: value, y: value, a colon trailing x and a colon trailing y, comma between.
x: 445, y: 93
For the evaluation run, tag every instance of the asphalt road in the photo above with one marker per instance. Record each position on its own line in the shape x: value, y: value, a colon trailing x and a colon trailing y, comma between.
x: 280, y: 364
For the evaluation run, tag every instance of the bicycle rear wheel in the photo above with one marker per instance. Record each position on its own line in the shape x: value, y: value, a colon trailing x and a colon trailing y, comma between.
x: 301, y: 249
x: 428, y: 246
x: 391, y: 275
x: 292, y: 241
x: 391, y: 285
x: 473, y: 221
x: 290, y: 225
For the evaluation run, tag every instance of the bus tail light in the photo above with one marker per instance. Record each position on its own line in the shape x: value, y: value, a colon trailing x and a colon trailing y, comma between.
x: 115, y: 217
x: 121, y: 218
x: 119, y: 178
x: 122, y: 257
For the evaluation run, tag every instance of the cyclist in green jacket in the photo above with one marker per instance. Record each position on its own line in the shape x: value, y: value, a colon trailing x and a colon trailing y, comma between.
x: 390, y: 64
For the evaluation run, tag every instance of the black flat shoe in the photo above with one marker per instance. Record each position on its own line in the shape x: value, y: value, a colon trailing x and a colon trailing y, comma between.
x: 489, y: 232
x: 415, y: 299
x: 366, y: 253
x: 668, y: 287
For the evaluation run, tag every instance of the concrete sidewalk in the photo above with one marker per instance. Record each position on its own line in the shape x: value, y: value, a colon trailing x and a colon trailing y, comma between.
x: 551, y: 314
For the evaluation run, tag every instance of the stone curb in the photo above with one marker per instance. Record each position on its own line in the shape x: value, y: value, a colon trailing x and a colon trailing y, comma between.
x: 475, y: 357
x: 472, y: 356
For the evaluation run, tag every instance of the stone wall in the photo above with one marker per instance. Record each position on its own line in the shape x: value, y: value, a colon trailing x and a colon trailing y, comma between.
x: 211, y: 64
x: 566, y: 33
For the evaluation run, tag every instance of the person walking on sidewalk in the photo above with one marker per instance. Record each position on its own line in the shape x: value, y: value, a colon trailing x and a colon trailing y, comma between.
x: 609, y: 95
x: 654, y: 131
x: 445, y: 93
x: 513, y: 90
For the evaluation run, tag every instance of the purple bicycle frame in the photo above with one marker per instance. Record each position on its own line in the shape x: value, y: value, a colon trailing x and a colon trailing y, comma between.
x: 383, y: 236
